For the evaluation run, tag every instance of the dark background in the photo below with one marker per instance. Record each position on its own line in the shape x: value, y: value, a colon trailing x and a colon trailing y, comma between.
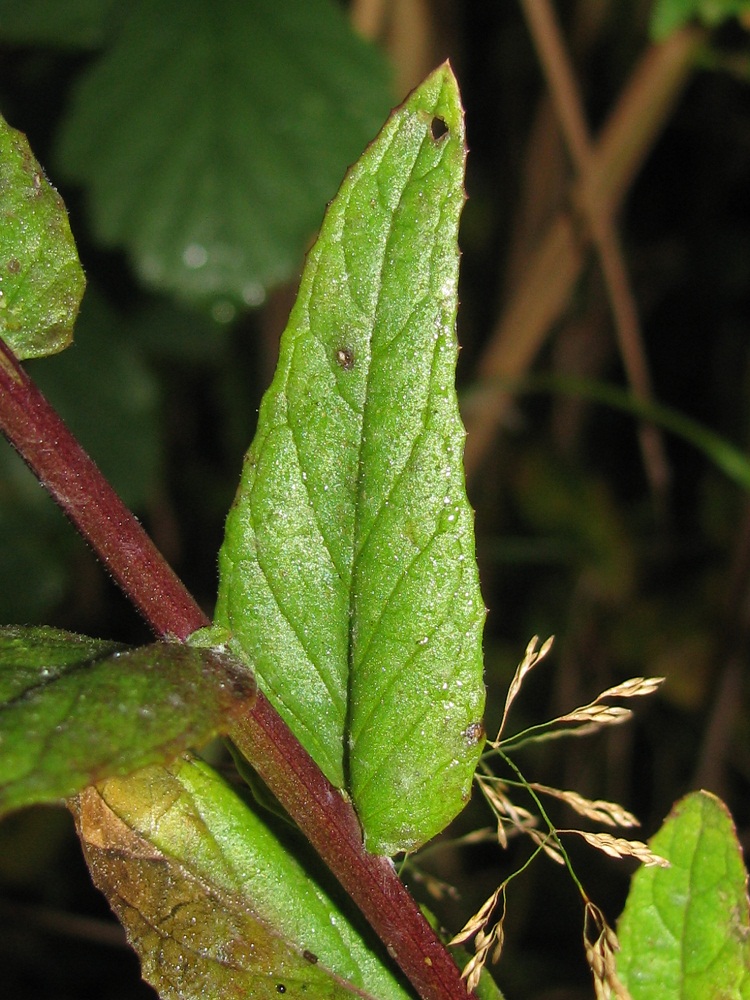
x: 574, y: 538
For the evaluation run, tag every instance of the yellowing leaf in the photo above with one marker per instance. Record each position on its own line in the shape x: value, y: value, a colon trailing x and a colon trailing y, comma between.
x: 213, y: 902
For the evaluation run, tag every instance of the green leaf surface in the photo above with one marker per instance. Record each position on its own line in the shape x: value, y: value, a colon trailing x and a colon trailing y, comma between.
x: 347, y: 574
x: 210, y: 136
x: 74, y: 710
x: 73, y: 24
x: 215, y: 904
x: 685, y: 932
x: 668, y: 16
x: 41, y: 280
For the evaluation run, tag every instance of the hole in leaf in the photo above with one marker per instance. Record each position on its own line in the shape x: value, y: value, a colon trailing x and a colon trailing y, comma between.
x: 438, y: 128
x: 345, y: 358
x: 474, y: 733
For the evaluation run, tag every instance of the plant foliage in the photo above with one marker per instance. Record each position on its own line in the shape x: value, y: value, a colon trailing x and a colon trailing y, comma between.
x: 348, y: 575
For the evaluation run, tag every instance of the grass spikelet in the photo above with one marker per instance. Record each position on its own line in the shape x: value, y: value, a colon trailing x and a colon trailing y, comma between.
x: 598, y: 715
x: 511, y: 818
x: 488, y: 944
x: 548, y: 846
x: 601, y: 944
x: 636, y: 687
x: 618, y: 847
x: 598, y: 810
x: 480, y: 919
x: 532, y: 656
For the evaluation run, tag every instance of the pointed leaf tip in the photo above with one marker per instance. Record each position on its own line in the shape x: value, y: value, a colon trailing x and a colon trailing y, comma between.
x: 348, y: 573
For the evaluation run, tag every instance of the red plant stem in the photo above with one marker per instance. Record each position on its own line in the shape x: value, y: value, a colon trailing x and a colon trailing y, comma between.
x: 331, y: 825
x: 325, y: 817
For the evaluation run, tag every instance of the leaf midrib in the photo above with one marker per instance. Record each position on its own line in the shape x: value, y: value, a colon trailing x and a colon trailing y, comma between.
x: 360, y: 544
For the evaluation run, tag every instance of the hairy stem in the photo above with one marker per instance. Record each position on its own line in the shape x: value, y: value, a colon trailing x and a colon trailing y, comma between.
x: 325, y: 817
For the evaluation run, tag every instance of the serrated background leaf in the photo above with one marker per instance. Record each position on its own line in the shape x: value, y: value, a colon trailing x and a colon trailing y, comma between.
x: 348, y: 573
x: 685, y: 931
x: 213, y: 902
x: 74, y: 710
x: 41, y: 280
x: 209, y: 137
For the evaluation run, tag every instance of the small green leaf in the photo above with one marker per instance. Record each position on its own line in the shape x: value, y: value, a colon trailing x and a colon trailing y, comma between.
x: 41, y: 280
x: 210, y: 136
x: 215, y: 904
x: 74, y: 710
x: 685, y: 931
x: 347, y: 574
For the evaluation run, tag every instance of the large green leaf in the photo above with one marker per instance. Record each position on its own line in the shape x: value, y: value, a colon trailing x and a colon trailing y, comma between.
x: 213, y: 902
x: 41, y: 280
x: 74, y: 710
x: 685, y: 931
x: 210, y: 136
x: 347, y: 573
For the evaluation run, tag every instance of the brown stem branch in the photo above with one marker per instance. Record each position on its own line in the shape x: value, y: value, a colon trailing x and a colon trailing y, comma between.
x: 321, y: 812
x: 561, y: 81
x: 550, y: 275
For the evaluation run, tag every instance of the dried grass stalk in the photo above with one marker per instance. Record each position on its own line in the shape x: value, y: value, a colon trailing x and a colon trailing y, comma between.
x: 601, y: 944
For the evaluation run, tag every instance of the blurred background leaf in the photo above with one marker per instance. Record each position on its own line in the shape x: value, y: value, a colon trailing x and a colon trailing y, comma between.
x: 669, y: 15
x: 208, y: 138
x: 76, y: 24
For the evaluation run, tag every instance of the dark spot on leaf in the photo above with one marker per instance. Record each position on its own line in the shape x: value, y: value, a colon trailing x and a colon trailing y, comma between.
x: 280, y: 988
x: 14, y: 266
x: 438, y: 128
x: 345, y: 358
x: 309, y: 957
x: 474, y: 733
